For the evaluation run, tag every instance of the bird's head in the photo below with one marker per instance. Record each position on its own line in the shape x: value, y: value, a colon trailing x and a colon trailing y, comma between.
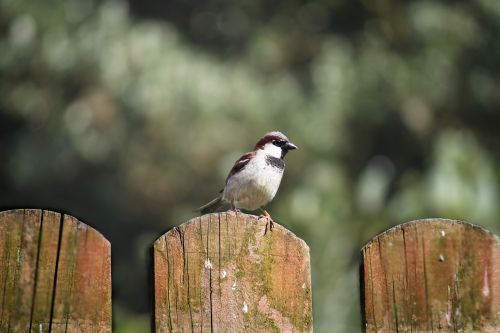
x: 275, y: 144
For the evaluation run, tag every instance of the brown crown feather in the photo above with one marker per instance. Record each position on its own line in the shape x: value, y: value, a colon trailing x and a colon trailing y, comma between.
x: 270, y: 137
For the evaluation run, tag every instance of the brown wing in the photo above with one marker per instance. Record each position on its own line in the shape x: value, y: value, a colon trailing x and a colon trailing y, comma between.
x: 240, y: 163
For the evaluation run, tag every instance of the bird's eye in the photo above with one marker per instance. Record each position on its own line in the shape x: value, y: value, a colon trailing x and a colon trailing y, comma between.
x: 278, y: 143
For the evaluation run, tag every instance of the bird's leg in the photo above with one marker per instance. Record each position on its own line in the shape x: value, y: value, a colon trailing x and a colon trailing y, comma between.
x: 233, y: 207
x: 269, y: 220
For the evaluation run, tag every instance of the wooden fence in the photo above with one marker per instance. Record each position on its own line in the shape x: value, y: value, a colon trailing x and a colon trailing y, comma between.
x: 431, y: 276
x: 55, y: 274
x: 221, y: 273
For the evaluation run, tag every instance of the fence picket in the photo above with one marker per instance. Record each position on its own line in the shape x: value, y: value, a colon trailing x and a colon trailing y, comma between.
x: 55, y: 274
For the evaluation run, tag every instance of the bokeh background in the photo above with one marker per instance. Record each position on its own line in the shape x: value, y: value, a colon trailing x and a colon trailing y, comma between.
x: 129, y: 114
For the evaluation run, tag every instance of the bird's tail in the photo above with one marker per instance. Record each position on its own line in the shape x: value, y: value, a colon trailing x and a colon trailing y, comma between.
x: 210, y: 207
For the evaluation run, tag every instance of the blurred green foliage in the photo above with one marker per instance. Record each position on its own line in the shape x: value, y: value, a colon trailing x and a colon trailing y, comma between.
x: 129, y: 115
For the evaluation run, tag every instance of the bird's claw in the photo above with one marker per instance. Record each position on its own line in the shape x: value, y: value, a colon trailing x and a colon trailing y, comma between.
x: 233, y: 208
x: 269, y: 221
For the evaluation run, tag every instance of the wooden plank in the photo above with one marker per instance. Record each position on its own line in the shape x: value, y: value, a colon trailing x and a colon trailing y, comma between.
x: 19, y: 265
x: 431, y: 275
x: 55, y: 274
x: 83, y: 286
x: 220, y: 273
x: 47, y: 258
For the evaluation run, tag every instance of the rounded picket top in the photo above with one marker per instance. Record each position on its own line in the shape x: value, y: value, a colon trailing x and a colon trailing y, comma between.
x: 221, y: 272
x: 431, y: 275
x: 56, y: 273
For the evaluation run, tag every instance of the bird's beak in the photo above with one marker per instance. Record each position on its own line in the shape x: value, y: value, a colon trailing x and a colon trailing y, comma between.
x: 291, y: 146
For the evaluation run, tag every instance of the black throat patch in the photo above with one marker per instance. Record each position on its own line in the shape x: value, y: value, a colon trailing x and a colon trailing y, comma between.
x: 275, y: 162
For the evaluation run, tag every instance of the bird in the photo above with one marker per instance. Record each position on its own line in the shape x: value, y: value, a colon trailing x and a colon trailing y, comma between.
x: 255, y: 177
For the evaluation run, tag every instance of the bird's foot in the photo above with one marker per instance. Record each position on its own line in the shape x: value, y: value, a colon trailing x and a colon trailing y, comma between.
x: 233, y: 208
x: 269, y: 221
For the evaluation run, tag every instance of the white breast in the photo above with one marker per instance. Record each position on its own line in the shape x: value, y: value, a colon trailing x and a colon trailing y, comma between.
x: 255, y: 185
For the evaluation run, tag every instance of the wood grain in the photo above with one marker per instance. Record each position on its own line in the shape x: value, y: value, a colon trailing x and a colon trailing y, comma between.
x: 55, y: 274
x: 431, y: 275
x: 220, y: 273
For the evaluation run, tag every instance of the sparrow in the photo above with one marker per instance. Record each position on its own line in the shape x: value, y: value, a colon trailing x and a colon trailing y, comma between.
x: 255, y: 177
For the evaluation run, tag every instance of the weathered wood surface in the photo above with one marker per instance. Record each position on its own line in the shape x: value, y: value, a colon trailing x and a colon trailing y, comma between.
x: 431, y: 275
x: 220, y: 273
x: 55, y: 274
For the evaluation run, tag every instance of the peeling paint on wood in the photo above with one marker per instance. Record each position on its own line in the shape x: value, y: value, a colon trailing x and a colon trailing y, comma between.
x: 220, y: 273
x: 431, y: 275
x: 55, y: 274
